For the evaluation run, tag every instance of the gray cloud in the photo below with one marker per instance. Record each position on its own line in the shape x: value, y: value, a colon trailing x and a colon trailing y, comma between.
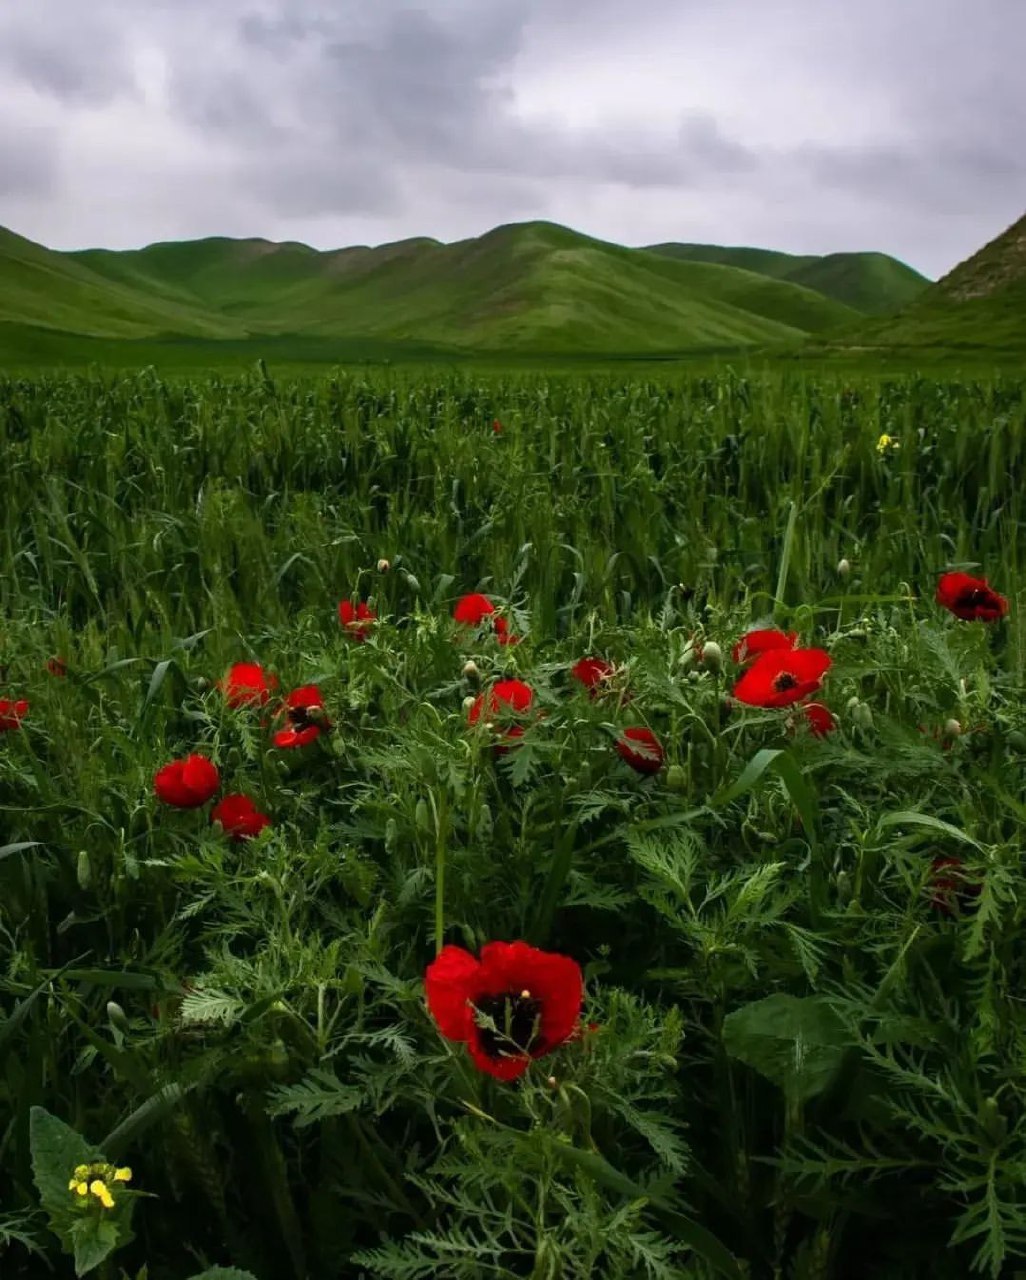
x: 811, y: 125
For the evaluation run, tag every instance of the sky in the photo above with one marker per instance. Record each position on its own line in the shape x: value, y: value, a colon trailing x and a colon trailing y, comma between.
x: 809, y: 126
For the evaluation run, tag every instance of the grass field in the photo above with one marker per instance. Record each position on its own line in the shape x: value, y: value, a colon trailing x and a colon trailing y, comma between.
x: 799, y: 1051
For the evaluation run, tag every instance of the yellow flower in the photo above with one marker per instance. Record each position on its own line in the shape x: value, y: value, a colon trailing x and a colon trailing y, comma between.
x: 886, y: 442
x: 122, y: 1175
x: 99, y: 1190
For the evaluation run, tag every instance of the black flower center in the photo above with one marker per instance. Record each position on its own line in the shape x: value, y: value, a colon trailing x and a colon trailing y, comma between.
x: 784, y: 681
x: 507, y: 1024
x: 300, y: 717
x: 973, y: 597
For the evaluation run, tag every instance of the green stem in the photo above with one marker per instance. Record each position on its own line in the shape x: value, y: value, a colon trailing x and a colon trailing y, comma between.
x: 562, y: 860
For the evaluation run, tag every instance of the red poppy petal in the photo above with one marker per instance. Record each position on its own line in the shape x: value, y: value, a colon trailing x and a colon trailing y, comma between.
x: 450, y: 983
x: 504, y: 1067
x: 472, y: 609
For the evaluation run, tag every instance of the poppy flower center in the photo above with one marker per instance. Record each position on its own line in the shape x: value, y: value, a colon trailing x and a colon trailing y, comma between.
x: 784, y: 681
x: 974, y: 596
x: 301, y: 718
x: 507, y: 1024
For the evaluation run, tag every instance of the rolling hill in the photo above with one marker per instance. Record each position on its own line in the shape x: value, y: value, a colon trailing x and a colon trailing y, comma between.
x: 871, y: 283
x: 980, y: 304
x: 530, y: 287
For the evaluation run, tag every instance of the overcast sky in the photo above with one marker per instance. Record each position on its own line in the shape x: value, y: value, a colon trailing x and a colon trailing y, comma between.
x: 805, y: 125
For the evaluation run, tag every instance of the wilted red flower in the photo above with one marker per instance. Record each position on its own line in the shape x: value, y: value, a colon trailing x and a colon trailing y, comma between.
x: 951, y: 890
x: 641, y: 749
x: 819, y: 718
x: 239, y: 817
x: 970, y: 599
x: 593, y: 673
x: 782, y: 676
x: 504, y: 700
x: 188, y: 783
x: 12, y: 713
x: 246, y: 685
x: 512, y: 1005
x: 307, y: 719
x: 357, y: 620
x: 471, y: 610
x: 56, y: 666
x: 753, y: 644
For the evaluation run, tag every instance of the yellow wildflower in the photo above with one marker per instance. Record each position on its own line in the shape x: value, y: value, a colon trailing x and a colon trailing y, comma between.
x: 99, y: 1189
x: 886, y: 442
x: 122, y: 1175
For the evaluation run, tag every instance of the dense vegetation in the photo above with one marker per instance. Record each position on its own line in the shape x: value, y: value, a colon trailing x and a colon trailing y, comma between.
x: 800, y: 1046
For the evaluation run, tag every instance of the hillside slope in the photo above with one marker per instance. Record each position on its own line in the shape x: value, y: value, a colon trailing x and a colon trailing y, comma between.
x: 981, y: 303
x: 51, y: 290
x: 871, y: 283
x: 532, y: 286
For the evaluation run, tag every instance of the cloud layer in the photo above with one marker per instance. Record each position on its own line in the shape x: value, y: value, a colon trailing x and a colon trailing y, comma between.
x: 805, y: 125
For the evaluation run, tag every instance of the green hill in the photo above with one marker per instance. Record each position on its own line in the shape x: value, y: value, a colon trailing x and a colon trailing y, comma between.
x: 871, y: 283
x: 981, y: 304
x: 530, y: 287
x: 54, y: 291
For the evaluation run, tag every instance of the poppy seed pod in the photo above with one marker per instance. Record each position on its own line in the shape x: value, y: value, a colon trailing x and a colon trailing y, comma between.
x: 470, y: 669
x: 712, y: 656
x: 952, y: 728
x: 843, y: 568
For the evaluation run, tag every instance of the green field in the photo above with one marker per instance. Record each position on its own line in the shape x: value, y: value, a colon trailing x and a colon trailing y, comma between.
x: 801, y: 1040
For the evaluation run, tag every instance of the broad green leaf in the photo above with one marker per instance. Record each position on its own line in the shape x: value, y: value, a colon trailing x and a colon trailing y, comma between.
x: 797, y: 1042
x: 912, y: 818
x: 224, y: 1273
x: 56, y: 1150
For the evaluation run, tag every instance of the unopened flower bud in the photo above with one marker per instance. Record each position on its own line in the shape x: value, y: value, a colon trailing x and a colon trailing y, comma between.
x: 952, y: 728
x: 84, y: 869
x: 862, y: 715
x: 383, y: 566
x: 843, y: 568
x: 712, y: 656
x: 468, y: 702
x: 676, y: 779
x: 116, y: 1015
x: 688, y: 658
x: 470, y: 669
x: 202, y: 684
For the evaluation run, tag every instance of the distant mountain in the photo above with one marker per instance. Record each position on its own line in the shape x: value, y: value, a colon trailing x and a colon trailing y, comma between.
x: 528, y: 287
x: 871, y: 283
x: 981, y: 303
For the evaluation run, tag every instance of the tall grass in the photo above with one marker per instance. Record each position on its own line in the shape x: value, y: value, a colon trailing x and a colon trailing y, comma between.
x: 267, y: 1067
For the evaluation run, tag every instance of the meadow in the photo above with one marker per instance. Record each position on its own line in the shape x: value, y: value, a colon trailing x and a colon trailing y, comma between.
x: 776, y: 1029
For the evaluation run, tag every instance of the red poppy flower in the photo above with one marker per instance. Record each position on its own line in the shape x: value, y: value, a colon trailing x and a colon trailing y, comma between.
x: 12, y: 713
x: 951, y: 891
x: 357, y: 620
x: 502, y: 631
x: 496, y: 427
x: 239, y: 817
x: 782, y: 676
x: 188, y: 783
x: 641, y: 749
x: 970, y: 599
x: 246, y: 685
x: 512, y: 1005
x: 819, y: 719
x: 753, y: 644
x: 471, y: 610
x: 503, y: 701
x: 56, y: 666
x: 593, y: 673
x: 307, y: 720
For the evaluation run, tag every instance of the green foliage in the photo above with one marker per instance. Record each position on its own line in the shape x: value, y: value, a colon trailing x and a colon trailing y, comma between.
x: 799, y: 1053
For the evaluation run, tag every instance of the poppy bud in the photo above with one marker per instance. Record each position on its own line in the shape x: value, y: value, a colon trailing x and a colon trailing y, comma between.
x: 412, y: 582
x: 993, y: 1122
x: 1017, y: 739
x: 484, y: 823
x: 862, y: 715
x: 843, y: 568
x: 675, y: 778
x: 952, y: 728
x: 712, y: 656
x: 84, y: 869
x: 470, y: 669
x: 421, y: 815
x: 202, y: 684
x: 391, y: 835
x: 843, y: 888
x: 383, y: 566
x: 116, y: 1015
x: 468, y: 702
